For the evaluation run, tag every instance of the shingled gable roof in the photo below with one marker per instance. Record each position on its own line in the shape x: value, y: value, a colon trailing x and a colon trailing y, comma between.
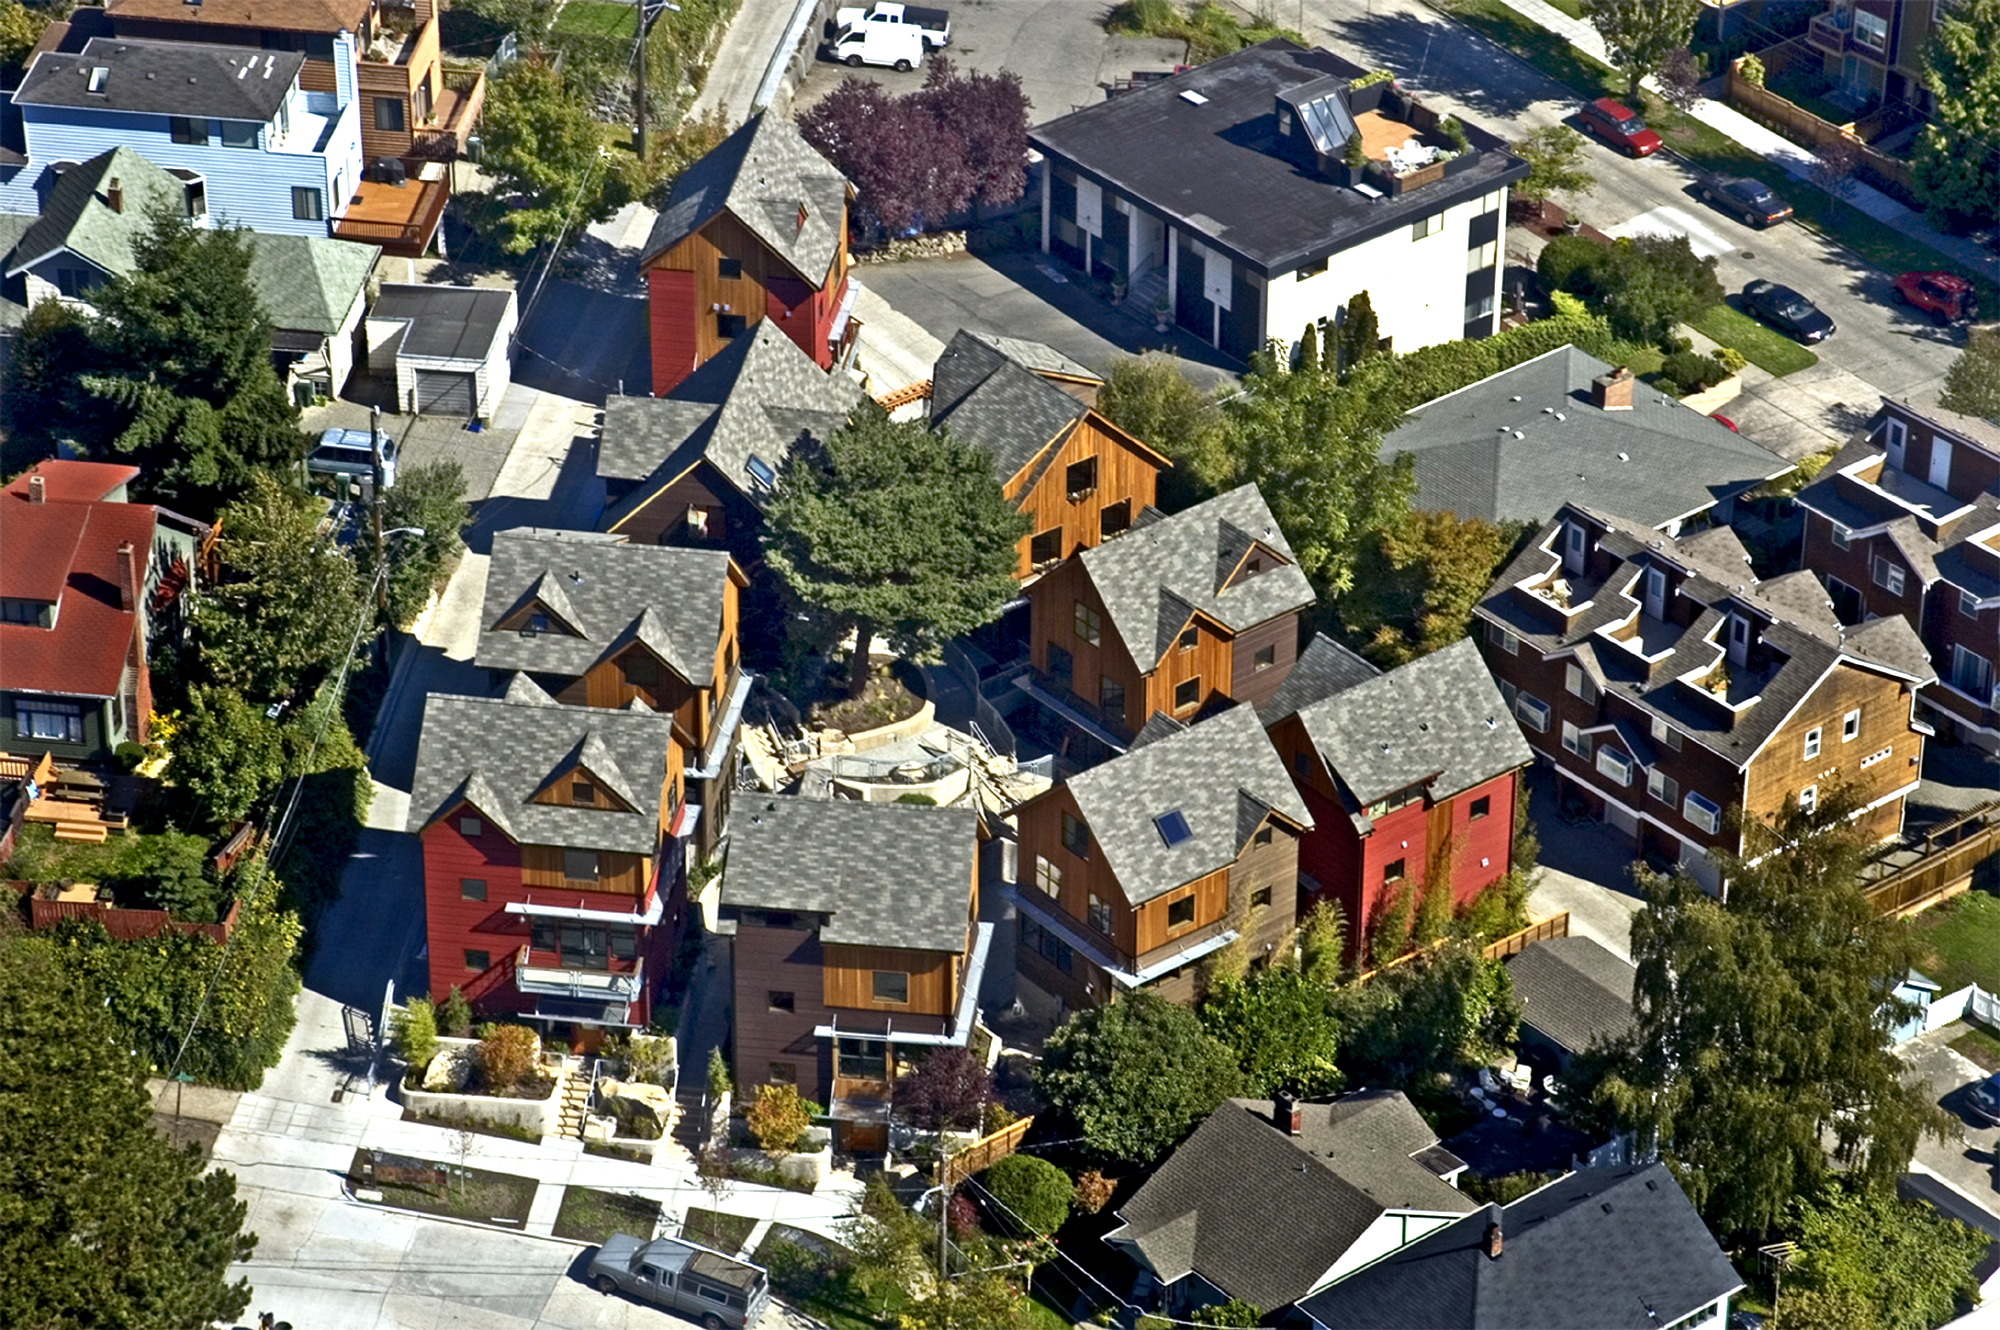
x: 1438, y: 721
x: 1574, y: 990
x: 1264, y: 1215
x: 284, y: 15
x: 65, y: 550
x: 163, y: 78
x: 1222, y: 775
x: 1602, y: 1249
x: 1511, y: 446
x: 497, y: 753
x: 609, y: 593
x: 1040, y: 357
x: 1155, y: 576
x: 758, y: 397
x: 981, y: 396
x: 764, y: 174
x: 885, y: 875
x: 1324, y: 668
x: 1718, y: 578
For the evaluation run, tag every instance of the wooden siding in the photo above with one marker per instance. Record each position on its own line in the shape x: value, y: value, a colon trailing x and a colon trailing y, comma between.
x: 778, y: 960
x: 1127, y: 472
x: 1209, y: 660
x: 560, y: 792
x: 1274, y: 867
x: 849, y: 979
x: 733, y: 524
x: 1248, y: 682
x: 373, y: 78
x: 1040, y: 834
x: 617, y: 874
x: 670, y: 322
x: 1211, y: 906
x: 1052, y: 622
x: 1781, y: 768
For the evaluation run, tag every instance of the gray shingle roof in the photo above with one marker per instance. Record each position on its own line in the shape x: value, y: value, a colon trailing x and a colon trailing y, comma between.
x: 1602, y: 1249
x: 1155, y: 575
x: 982, y: 397
x: 1222, y: 775
x: 1324, y: 668
x: 308, y: 282
x: 609, y: 592
x: 887, y: 875
x: 1037, y: 356
x: 1574, y: 990
x: 762, y: 173
x: 1440, y: 720
x: 756, y: 398
x: 1262, y: 1214
x: 164, y: 78
x: 497, y: 752
x: 1654, y: 463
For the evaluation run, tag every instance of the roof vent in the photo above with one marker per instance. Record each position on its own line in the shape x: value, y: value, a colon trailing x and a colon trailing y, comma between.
x: 1519, y: 435
x: 1560, y: 416
x: 1193, y: 98
x: 1515, y: 398
x: 1624, y: 457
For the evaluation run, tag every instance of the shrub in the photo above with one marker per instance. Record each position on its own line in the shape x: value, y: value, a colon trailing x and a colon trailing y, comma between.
x: 454, y: 1014
x: 129, y: 755
x: 1732, y: 359
x: 1032, y: 1193
x: 777, y: 1118
x: 509, y: 1058
x: 1563, y: 258
x: 1686, y: 372
x: 648, y: 1060
x: 1093, y: 1191
x: 413, y: 1030
x: 1752, y: 70
x: 718, y: 1075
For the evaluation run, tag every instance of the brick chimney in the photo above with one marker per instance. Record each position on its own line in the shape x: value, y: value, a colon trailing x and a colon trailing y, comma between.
x: 1287, y: 1114
x: 115, y: 195
x: 128, y: 580
x: 1613, y: 391
x: 1491, y: 1244
x: 38, y: 490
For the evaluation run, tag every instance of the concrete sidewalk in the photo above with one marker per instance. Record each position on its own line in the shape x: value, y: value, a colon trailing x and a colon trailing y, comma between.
x: 1796, y: 161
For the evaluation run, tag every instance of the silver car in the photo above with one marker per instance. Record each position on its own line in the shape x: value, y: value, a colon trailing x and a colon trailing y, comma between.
x: 345, y: 452
x: 704, y: 1285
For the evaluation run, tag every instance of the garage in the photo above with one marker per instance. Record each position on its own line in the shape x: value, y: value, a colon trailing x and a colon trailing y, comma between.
x: 449, y: 348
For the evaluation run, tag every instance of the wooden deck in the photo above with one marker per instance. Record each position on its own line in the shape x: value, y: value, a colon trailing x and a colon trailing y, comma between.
x: 1379, y: 133
x: 402, y: 219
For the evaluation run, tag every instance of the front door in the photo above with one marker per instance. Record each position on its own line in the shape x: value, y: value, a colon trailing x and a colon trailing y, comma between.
x: 1739, y: 639
x: 1656, y: 593
x: 1940, y: 463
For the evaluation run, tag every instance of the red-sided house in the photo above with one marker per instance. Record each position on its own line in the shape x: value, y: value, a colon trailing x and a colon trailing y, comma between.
x: 87, y: 579
x: 554, y: 883
x: 755, y: 230
x: 1407, y: 774
x: 1907, y: 524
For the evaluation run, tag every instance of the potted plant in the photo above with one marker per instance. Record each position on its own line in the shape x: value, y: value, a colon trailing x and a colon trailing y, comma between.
x: 1118, y: 289
x: 1163, y: 314
x: 1571, y: 223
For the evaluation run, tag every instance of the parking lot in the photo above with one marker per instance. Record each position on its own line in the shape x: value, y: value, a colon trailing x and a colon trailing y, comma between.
x: 1972, y: 1164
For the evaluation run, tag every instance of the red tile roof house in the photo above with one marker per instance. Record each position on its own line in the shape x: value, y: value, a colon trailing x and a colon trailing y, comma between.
x: 87, y: 579
x: 554, y: 883
x: 1403, y: 772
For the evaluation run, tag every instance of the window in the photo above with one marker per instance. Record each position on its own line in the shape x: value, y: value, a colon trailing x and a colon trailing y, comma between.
x: 1842, y: 537
x: 1100, y: 914
x: 580, y: 865
x: 1110, y: 698
x: 641, y: 670
x: 1481, y: 308
x: 1186, y: 693
x: 1481, y: 807
x: 538, y: 623
x: 761, y: 474
x: 728, y: 326
x: 1615, y: 765
x: 1812, y: 743
x: 1481, y: 257
x: 582, y: 792
x: 1532, y: 712
x: 1575, y: 741
x: 1850, y: 726
x: 1808, y: 798
x: 1870, y: 30
x: 1260, y: 899
x: 1089, y: 624
x: 61, y: 722
x: 1662, y: 787
x: 1041, y: 942
x: 728, y: 270
x: 1264, y: 835
x: 1393, y: 871
x: 1971, y: 673
x: 472, y: 889
x: 1075, y: 836
x: 891, y: 986
x: 1081, y: 479
x: 1666, y: 735
x: 779, y: 1000
x: 308, y: 205
x: 389, y: 114
x: 21, y: 611
x: 1968, y: 604
x: 182, y: 129
x: 1173, y: 828
x: 542, y: 934
x: 1579, y: 684
x: 1427, y: 226
x: 1048, y: 877
x: 1189, y: 638
x: 1889, y: 576
x: 476, y: 961
x: 784, y: 1073
x: 1180, y: 913
x: 1045, y: 548
x: 469, y: 826
x: 1503, y: 639
x: 624, y: 944
x: 1895, y: 434
x: 1704, y: 813
x: 1265, y: 657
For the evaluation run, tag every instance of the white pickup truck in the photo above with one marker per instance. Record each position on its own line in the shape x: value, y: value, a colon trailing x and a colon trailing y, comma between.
x: 935, y: 24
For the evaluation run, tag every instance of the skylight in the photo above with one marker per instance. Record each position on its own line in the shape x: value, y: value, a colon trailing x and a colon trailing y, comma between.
x: 1173, y: 828
x: 761, y: 472
x: 1193, y: 98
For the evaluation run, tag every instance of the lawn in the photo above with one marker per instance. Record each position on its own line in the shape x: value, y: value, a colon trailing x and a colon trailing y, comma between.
x: 711, y: 1228
x: 1545, y: 50
x: 1569, y: 7
x: 812, y: 1275
x: 597, y: 18
x: 590, y: 1215
x: 1980, y: 1046
x: 1760, y: 345
x: 473, y: 1193
x: 1960, y: 942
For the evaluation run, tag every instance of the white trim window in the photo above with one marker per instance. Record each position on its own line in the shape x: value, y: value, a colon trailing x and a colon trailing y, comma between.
x: 1895, y: 435
x: 1850, y: 726
x: 1842, y: 537
x: 1703, y: 813
x: 1971, y: 674
x: 1532, y: 712
x: 1614, y: 765
x: 1662, y: 786
x: 1503, y: 639
x: 1968, y: 604
x: 1579, y: 684
x: 1666, y: 735
x: 1889, y: 576
x: 1576, y: 741
x: 1048, y: 878
x: 1809, y: 798
x: 1812, y: 743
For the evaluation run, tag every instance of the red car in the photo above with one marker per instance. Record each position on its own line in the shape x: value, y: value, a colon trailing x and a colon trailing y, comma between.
x: 1939, y: 294
x: 1620, y: 126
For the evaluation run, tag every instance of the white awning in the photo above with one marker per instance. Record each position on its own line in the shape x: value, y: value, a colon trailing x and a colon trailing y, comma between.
x: 843, y: 313
x: 549, y: 910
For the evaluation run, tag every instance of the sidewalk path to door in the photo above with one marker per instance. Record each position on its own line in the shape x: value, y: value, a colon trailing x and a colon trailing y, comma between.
x: 1796, y: 161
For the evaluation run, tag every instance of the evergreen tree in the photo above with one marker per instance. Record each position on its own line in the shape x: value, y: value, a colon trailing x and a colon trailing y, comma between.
x: 1957, y: 165
x: 1972, y: 384
x: 896, y: 528
x: 1359, y: 333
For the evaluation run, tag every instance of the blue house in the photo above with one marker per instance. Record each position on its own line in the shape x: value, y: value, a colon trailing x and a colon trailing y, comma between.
x: 254, y: 148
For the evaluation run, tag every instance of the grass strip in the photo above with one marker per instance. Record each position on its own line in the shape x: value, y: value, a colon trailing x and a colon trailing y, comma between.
x: 598, y: 18
x: 1761, y: 346
x: 590, y: 1215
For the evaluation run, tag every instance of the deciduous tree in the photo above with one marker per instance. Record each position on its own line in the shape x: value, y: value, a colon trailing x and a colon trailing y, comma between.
x: 553, y: 159
x: 226, y: 757
x: 431, y: 497
x: 1899, y: 1264
x: 946, y: 1091
x: 1957, y: 166
x: 1449, y: 1009
x: 1417, y: 582
x: 1680, y: 78
x: 1639, y: 35
x: 1972, y: 384
x: 1150, y: 398
x: 777, y: 1118
x: 896, y: 528
x: 1281, y: 1026
x: 1135, y: 1076
x: 1556, y: 173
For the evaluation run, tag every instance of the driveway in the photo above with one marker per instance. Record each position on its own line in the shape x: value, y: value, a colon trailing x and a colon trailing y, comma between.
x: 1585, y: 868
x: 1972, y: 1164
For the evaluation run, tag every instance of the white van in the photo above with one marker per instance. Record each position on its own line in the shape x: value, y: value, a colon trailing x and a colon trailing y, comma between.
x: 898, y: 46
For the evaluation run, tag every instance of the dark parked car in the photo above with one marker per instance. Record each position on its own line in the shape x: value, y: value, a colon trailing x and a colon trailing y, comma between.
x: 1620, y: 126
x: 1751, y: 200
x: 1787, y: 311
x: 1984, y: 1101
x: 1940, y: 294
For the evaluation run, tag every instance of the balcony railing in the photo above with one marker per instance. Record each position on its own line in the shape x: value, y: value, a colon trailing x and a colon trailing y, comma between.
x: 1828, y: 32
x: 550, y: 981
x: 457, y: 112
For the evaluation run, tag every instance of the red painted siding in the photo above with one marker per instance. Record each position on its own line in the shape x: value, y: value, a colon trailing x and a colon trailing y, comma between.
x: 670, y: 314
x: 803, y: 313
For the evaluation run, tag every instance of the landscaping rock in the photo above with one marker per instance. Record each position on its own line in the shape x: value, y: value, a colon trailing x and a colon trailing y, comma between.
x: 450, y: 1071
x: 642, y: 1110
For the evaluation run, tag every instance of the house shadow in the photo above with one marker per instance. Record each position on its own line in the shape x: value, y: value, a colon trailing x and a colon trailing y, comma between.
x: 573, y: 502
x: 585, y: 340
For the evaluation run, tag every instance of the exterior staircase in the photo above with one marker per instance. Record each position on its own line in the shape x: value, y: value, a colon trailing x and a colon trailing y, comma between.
x: 1143, y: 294
x: 575, y: 1101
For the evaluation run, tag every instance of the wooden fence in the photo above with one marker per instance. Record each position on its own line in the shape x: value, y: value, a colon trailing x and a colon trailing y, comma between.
x: 985, y: 1152
x: 1556, y: 925
x: 1952, y: 852
x: 1876, y: 168
x: 46, y: 909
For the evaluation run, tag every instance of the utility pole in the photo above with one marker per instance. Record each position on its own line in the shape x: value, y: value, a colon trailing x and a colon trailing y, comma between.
x: 944, y: 1213
x: 646, y: 12
x: 375, y: 509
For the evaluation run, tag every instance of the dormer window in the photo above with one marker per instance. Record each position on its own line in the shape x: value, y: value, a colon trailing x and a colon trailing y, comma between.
x: 537, y: 624
x: 583, y: 793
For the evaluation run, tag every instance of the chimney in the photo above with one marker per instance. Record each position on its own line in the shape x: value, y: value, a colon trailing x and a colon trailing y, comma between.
x: 115, y: 196
x: 38, y: 490
x: 1287, y: 1114
x: 128, y: 582
x: 1491, y: 1245
x: 1613, y: 391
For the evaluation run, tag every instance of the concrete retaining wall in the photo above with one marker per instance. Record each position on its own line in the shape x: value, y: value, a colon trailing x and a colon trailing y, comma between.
x: 537, y: 1115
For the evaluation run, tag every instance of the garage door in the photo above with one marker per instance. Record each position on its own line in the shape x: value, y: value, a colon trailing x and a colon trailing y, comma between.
x: 442, y: 394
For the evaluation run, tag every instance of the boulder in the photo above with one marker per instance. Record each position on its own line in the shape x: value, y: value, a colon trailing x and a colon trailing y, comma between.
x: 450, y: 1070
x: 642, y: 1110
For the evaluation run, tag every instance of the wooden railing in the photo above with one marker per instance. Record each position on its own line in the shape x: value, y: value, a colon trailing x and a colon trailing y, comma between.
x: 1952, y: 852
x: 985, y: 1152
x: 1556, y: 925
x: 125, y: 925
x: 903, y: 396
